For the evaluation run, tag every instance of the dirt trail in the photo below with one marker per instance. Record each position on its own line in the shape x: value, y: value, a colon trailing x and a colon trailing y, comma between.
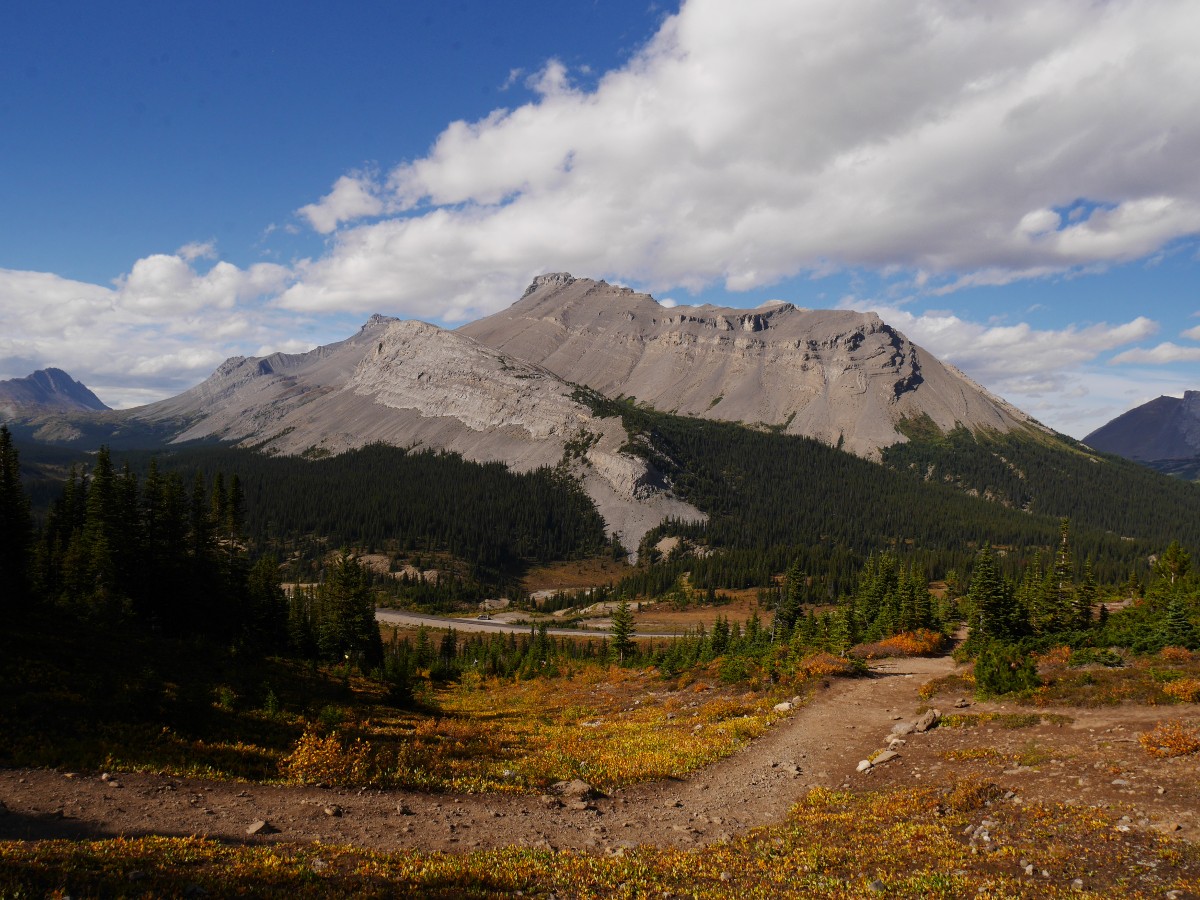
x: 819, y: 745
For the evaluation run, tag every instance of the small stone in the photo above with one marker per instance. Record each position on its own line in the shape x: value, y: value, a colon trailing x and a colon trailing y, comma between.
x: 1167, y: 827
x: 1077, y: 884
x: 262, y: 826
x: 783, y: 707
x: 927, y: 720
x: 885, y: 756
x: 319, y: 865
x: 876, y: 886
x: 725, y: 876
x: 404, y: 809
x: 1120, y: 782
x: 902, y: 728
x: 576, y: 787
x: 333, y: 810
x: 105, y: 776
x: 863, y: 765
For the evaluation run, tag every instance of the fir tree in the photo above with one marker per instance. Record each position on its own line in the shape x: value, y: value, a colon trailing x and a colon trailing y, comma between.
x: 16, y: 527
x: 621, y: 632
x: 992, y: 610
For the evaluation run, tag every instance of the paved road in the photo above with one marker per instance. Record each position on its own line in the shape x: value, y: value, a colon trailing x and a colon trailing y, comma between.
x: 401, y: 617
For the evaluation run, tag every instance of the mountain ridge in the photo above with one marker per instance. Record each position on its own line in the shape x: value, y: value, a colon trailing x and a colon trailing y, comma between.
x: 46, y: 389
x: 845, y: 378
x: 1166, y: 428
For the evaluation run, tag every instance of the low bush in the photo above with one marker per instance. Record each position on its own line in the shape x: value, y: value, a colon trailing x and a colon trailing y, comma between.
x: 1003, y: 669
x: 1170, y: 739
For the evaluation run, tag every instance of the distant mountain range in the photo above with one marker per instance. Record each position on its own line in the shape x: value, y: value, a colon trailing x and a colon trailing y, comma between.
x: 1164, y: 434
x: 534, y: 386
x: 45, y: 389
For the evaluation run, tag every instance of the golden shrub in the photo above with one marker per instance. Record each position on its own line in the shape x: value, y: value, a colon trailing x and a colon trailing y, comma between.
x: 922, y: 642
x: 327, y: 759
x: 1185, y: 689
x: 1176, y: 654
x: 820, y: 665
x: 1169, y: 739
x: 1054, y: 658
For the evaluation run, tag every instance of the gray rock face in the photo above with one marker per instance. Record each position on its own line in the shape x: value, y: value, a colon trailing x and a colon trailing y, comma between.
x: 843, y: 377
x: 412, y: 384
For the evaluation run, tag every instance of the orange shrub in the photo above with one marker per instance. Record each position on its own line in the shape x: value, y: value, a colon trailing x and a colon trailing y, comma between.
x: 922, y: 642
x: 1176, y: 654
x: 821, y: 665
x: 1054, y: 658
x: 1185, y: 689
x: 1170, y: 739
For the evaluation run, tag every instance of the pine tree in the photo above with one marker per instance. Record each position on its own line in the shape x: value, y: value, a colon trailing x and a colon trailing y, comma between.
x: 1085, y: 596
x: 1177, y: 629
x: 990, y: 601
x: 16, y: 527
x: 621, y: 632
x: 347, y: 627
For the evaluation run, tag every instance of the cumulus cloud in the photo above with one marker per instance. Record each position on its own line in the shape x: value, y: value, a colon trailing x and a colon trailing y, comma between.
x: 352, y: 197
x: 980, y: 144
x: 160, y: 328
x: 1166, y: 352
x: 1056, y: 375
x: 1192, y: 334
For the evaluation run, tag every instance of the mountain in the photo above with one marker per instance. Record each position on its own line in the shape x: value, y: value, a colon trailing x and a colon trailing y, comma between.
x: 845, y: 378
x: 411, y: 384
x: 1162, y: 432
x: 44, y: 390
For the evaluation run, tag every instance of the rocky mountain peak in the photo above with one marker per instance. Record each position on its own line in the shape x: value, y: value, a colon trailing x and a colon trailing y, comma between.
x: 48, y: 388
x: 844, y: 377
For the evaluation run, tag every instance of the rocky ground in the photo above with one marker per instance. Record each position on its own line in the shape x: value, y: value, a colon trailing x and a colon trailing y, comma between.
x: 1091, y: 757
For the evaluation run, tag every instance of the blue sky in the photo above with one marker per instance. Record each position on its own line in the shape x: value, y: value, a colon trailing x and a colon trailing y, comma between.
x: 1013, y: 187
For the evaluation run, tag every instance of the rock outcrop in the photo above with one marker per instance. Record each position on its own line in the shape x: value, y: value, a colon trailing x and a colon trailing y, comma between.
x: 843, y: 377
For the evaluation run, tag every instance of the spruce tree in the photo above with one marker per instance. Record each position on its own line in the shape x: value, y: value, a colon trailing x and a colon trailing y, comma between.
x: 990, y: 601
x: 16, y: 527
x: 621, y: 632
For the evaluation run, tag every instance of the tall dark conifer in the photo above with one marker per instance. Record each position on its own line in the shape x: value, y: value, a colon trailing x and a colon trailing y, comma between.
x: 16, y: 527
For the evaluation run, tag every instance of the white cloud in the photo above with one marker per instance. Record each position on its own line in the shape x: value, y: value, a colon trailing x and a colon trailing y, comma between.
x: 1056, y: 375
x: 944, y: 137
x: 1192, y: 334
x: 162, y: 327
x: 1166, y: 352
x: 353, y: 197
x: 198, y: 250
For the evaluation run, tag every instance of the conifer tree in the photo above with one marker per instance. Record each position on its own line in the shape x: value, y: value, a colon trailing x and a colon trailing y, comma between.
x: 347, y: 627
x: 1085, y: 596
x: 621, y: 631
x: 16, y: 527
x: 990, y: 600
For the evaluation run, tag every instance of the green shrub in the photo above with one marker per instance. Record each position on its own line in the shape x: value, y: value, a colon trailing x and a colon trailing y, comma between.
x: 1003, y: 668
